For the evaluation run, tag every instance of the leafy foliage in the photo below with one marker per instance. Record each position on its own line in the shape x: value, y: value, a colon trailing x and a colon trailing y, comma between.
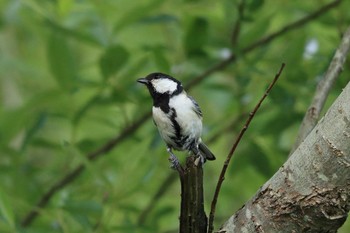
x: 68, y: 71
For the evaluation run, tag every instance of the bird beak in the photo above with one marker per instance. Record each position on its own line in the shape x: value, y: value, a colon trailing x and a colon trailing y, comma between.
x: 143, y: 81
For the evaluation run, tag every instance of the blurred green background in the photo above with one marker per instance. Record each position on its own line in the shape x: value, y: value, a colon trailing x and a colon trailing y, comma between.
x: 67, y: 78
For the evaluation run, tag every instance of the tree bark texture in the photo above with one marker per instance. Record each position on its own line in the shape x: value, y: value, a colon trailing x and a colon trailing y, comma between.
x: 311, y: 191
x: 323, y: 89
x: 192, y: 217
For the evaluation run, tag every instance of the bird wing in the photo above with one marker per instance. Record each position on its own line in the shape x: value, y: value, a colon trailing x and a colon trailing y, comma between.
x: 196, y: 107
x: 205, y: 151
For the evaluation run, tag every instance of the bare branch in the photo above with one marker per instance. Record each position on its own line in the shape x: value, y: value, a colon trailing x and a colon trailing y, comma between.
x: 235, y: 144
x: 323, y: 89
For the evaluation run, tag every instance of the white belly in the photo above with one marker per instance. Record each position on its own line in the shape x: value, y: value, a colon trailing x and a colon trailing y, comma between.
x: 164, y: 125
x: 189, y: 121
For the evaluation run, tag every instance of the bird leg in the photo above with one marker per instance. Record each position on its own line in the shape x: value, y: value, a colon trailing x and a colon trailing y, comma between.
x: 175, y: 163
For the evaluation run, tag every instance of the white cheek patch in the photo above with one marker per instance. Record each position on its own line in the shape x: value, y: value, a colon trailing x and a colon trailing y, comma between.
x: 164, y: 85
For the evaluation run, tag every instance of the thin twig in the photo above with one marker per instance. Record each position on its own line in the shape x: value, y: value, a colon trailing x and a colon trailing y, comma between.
x: 237, y: 27
x: 323, y: 89
x: 71, y: 176
x: 229, y: 156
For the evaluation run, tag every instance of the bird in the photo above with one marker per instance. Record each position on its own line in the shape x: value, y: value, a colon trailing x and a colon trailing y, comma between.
x: 177, y: 116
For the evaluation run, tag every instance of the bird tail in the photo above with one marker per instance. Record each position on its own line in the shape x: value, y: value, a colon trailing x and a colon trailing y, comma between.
x: 204, y: 150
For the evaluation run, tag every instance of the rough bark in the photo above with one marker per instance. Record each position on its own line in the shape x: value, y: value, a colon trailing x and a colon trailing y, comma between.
x: 192, y: 217
x: 311, y: 191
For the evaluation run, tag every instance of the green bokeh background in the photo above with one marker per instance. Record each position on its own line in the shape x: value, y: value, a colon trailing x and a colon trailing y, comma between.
x: 67, y: 79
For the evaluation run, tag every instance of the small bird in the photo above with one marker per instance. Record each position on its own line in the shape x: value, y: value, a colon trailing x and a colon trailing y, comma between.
x: 177, y: 117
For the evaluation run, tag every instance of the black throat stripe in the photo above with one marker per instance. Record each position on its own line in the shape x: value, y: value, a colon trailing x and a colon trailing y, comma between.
x: 176, y: 125
x: 162, y: 99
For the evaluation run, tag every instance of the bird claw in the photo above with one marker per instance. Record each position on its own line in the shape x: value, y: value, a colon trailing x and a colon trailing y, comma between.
x: 174, y: 162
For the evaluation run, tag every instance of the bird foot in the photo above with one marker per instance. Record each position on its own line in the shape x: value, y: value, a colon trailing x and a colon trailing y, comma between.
x: 174, y: 162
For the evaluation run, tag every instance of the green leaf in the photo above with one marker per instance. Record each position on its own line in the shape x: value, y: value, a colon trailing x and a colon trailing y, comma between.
x: 6, y: 209
x: 37, y: 125
x: 255, y: 4
x: 196, y: 37
x: 82, y: 210
x: 136, y: 14
x: 61, y: 61
x: 161, y: 61
x: 83, y: 207
x: 163, y: 211
x: 129, y: 76
x: 11, y: 123
x: 269, y: 157
x: 112, y: 60
x: 64, y: 6
x: 82, y: 111
x: 74, y: 33
x: 161, y: 18
x: 259, y: 155
x: 255, y: 30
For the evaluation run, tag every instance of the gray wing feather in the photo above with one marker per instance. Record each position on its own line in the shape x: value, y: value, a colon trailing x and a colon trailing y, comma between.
x: 206, y: 152
x: 196, y: 107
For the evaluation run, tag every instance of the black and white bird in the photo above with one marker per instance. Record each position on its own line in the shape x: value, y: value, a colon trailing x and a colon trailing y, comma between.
x: 177, y: 117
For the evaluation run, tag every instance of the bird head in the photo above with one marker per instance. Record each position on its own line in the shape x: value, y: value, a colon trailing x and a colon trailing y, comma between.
x: 160, y: 84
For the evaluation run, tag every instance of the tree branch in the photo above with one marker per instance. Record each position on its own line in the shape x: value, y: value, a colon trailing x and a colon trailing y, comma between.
x: 311, y: 191
x: 263, y: 41
x: 192, y: 215
x: 71, y: 176
x: 293, y: 25
x: 237, y: 27
x: 323, y: 89
x: 235, y: 144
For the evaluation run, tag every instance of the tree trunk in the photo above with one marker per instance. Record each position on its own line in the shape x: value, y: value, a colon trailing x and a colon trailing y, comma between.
x: 311, y: 191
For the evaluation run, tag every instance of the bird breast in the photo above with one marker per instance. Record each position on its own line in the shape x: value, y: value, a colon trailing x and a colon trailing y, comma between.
x: 180, y: 122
